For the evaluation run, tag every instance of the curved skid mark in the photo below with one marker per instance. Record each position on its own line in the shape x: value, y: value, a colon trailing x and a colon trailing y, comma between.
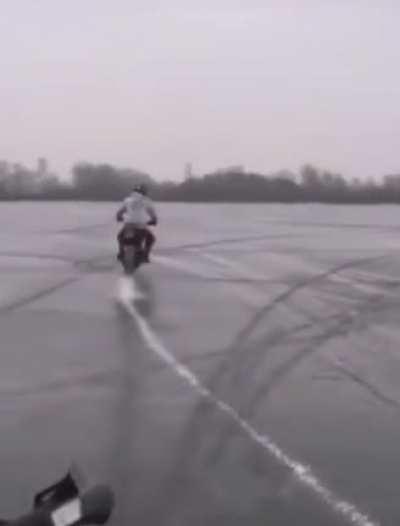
x: 83, y: 264
x: 281, y: 298
x: 103, y: 263
x: 226, y: 241
x: 63, y: 383
x: 23, y: 302
x: 303, y: 473
x: 274, y: 340
x: 237, y: 281
x: 366, y: 384
x: 78, y: 229
x: 33, y: 255
x: 342, y: 325
x: 350, y: 226
x: 187, y: 268
x: 188, y: 272
x: 237, y: 344
x: 234, y: 266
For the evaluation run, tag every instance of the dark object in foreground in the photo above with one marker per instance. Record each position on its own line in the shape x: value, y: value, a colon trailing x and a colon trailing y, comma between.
x: 63, y: 504
x: 134, y: 251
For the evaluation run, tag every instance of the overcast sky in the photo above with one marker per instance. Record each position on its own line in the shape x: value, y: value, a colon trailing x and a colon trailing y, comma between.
x: 154, y: 84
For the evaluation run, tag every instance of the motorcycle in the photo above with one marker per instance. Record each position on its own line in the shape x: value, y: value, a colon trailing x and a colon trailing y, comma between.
x: 133, y: 254
x: 64, y: 504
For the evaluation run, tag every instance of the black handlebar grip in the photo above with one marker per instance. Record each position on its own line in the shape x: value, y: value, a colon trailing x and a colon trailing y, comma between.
x: 97, y: 505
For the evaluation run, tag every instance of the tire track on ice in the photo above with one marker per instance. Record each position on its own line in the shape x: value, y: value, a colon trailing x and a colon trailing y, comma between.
x: 127, y: 294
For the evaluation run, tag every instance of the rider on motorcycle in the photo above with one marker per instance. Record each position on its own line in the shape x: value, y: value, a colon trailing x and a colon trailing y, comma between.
x: 138, y: 210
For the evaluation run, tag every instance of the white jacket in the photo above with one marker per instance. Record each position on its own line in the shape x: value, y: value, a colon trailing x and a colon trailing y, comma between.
x: 138, y: 209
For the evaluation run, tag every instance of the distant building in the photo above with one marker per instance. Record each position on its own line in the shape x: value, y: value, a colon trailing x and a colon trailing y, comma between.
x: 22, y: 181
x: 43, y: 167
x: 18, y: 180
x: 188, y: 172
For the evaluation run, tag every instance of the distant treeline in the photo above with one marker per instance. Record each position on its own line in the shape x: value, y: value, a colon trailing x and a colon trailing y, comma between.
x: 103, y: 182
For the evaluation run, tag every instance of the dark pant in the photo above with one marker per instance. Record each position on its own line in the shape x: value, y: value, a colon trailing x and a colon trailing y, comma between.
x: 148, y: 240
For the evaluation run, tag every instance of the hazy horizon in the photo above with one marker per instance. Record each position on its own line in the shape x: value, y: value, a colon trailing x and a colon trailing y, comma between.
x: 272, y: 85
